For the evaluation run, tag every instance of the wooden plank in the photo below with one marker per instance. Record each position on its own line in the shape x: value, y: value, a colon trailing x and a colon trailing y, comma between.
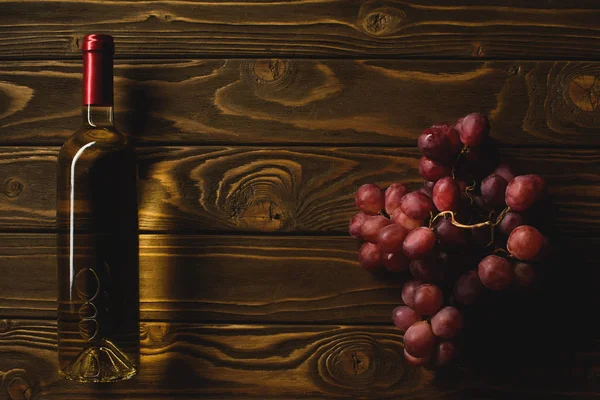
x: 279, y: 101
x: 278, y: 189
x: 221, y: 278
x: 414, y: 28
x: 289, y: 361
x: 277, y: 279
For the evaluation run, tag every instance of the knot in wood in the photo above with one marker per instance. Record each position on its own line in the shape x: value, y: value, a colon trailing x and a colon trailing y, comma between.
x: 262, y: 214
x: 584, y: 92
x: 352, y: 363
x: 17, y: 385
x: 76, y: 44
x: 271, y: 77
x: 12, y: 188
x: 158, y: 332
x: 4, y: 325
x: 270, y: 70
x: 356, y: 360
x: 514, y: 70
x: 380, y: 21
x: 18, y: 389
x: 478, y: 50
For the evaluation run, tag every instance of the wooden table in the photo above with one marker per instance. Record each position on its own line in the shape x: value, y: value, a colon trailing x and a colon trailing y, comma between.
x: 254, y: 123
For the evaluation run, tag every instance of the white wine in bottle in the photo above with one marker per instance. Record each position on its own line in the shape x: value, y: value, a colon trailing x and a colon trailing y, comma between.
x: 97, y: 245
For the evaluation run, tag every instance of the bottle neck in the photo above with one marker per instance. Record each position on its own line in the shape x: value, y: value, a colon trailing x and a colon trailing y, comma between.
x: 97, y: 88
x: 97, y: 116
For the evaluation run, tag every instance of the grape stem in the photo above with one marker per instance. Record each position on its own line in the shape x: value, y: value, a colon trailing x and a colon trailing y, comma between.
x: 462, y: 152
x: 500, y: 250
x: 469, y: 190
x: 501, y: 216
x: 445, y: 214
x: 451, y: 214
x: 384, y: 213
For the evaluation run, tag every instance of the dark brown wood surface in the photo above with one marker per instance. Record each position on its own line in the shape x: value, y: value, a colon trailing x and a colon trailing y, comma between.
x: 200, y: 279
x: 285, y: 361
x: 351, y: 28
x: 278, y: 189
x: 254, y: 122
x: 217, y: 278
x: 290, y: 279
x: 290, y: 101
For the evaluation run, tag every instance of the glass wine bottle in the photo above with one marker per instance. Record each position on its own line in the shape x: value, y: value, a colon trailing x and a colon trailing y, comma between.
x: 97, y: 241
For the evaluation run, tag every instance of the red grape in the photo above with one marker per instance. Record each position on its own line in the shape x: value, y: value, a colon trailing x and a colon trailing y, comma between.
x: 416, y: 361
x: 403, y: 241
x: 419, y: 243
x: 424, y: 270
x: 525, y: 242
x: 458, y: 125
x: 419, y: 340
x: 356, y: 224
x: 393, y: 197
x: 446, y: 194
x: 479, y: 202
x: 428, y: 299
x: 369, y: 257
x: 391, y: 238
x: 372, y: 226
x: 369, y: 199
x: 524, y: 190
x: 408, y: 292
x: 447, y: 323
x: 395, y: 262
x: 444, y: 354
x: 453, y: 137
x: 427, y: 188
x: 450, y: 234
x: 468, y: 288
x: 510, y: 221
x: 404, y: 317
x: 434, y: 144
x: 495, y: 272
x: 525, y: 275
x: 505, y: 171
x: 401, y: 219
x: 473, y: 128
x: 432, y: 170
x: 492, y: 190
x: 416, y: 205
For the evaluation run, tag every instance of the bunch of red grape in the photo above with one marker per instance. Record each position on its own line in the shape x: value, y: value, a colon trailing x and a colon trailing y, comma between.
x: 465, y: 230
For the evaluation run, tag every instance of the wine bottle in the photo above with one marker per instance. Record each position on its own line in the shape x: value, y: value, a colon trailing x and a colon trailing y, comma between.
x: 97, y: 238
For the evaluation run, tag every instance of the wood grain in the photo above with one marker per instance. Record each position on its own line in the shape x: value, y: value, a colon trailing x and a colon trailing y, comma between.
x: 234, y: 360
x: 285, y: 101
x: 221, y: 278
x: 279, y: 279
x: 278, y: 189
x: 290, y: 361
x: 414, y: 28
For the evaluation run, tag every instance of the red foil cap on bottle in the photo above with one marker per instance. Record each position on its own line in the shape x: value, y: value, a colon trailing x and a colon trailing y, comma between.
x: 98, y: 52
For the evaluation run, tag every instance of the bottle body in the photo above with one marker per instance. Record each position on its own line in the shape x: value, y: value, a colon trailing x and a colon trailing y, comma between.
x: 97, y: 243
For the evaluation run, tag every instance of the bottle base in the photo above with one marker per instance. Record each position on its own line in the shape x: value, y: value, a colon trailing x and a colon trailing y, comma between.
x: 102, y: 362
